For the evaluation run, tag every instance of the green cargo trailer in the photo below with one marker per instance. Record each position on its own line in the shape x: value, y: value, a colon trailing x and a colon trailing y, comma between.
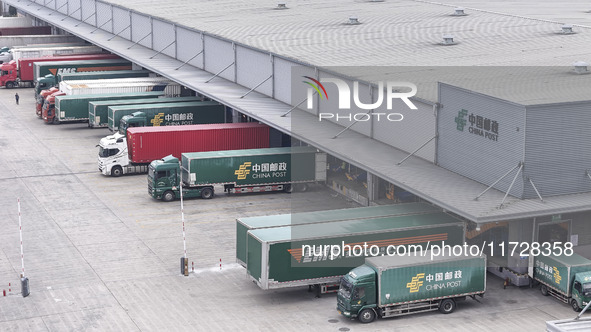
x: 317, y: 254
x: 101, y: 75
x: 54, y: 68
x: 74, y: 108
x: 168, y: 114
x: 98, y: 111
x: 239, y: 171
x: 394, y: 286
x: 565, y: 277
x: 243, y: 225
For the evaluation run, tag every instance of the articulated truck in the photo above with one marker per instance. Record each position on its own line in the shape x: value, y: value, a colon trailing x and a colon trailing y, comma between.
x: 122, y: 117
x: 45, y: 73
x: 565, y: 277
x: 41, y: 99
x: 98, y: 111
x: 151, y: 143
x: 20, y: 73
x: 243, y: 225
x: 320, y: 254
x: 74, y: 108
x: 239, y: 171
x: 389, y: 286
x: 120, y: 85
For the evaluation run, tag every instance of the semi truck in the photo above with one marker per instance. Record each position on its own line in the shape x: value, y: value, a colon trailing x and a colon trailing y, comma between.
x: 101, y: 75
x: 48, y: 110
x: 21, y: 31
x: 320, y: 254
x: 239, y: 171
x: 45, y: 73
x: 565, y: 277
x: 41, y: 99
x: 151, y: 143
x: 98, y: 111
x: 20, y: 73
x: 160, y: 114
x: 243, y: 225
x: 390, y: 286
x: 6, y: 52
x: 17, y: 53
x: 121, y: 85
x: 74, y: 108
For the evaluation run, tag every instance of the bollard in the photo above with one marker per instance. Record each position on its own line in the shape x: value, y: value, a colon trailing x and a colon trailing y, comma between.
x: 4, y: 292
x: 25, y: 286
x: 220, y: 263
x: 192, y: 266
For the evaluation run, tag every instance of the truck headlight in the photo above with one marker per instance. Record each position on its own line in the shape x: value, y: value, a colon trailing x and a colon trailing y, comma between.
x: 346, y: 313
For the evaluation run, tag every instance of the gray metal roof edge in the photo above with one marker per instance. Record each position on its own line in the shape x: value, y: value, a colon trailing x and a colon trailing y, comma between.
x: 480, y: 94
x: 566, y: 103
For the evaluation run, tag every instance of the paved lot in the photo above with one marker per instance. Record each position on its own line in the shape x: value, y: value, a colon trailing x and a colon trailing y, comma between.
x: 101, y: 255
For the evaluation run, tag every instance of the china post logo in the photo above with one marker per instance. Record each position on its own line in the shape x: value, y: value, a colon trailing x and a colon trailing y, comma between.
x: 557, y: 277
x: 243, y: 170
x: 157, y: 120
x: 415, y: 283
x: 461, y: 120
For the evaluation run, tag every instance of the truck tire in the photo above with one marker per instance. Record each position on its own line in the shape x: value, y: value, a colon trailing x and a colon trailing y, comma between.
x: 544, y: 290
x: 447, y: 306
x: 116, y: 171
x: 288, y: 188
x: 367, y: 316
x: 207, y: 193
x: 575, y: 305
x: 9, y: 85
x: 168, y: 196
x: 55, y: 121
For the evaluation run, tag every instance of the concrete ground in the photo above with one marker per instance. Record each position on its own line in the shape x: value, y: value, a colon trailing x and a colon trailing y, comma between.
x: 102, y: 255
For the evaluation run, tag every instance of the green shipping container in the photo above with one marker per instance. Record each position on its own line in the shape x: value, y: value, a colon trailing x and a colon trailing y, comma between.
x: 253, y: 167
x: 58, y: 67
x: 98, y: 111
x: 276, y: 257
x: 243, y: 225
x: 171, y: 114
x: 559, y: 272
x: 100, y: 75
x: 75, y: 107
x: 415, y: 279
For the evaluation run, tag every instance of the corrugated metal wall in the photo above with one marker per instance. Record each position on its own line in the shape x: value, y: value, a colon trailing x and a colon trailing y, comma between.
x: 282, y: 80
x: 163, y: 35
x: 103, y: 15
x: 88, y: 11
x: 121, y: 21
x: 61, y: 6
x: 558, y: 149
x: 477, y: 157
x: 189, y: 44
x: 141, y: 27
x: 218, y: 55
x: 252, y: 68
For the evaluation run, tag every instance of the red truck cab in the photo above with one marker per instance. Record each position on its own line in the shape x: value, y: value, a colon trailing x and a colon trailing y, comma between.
x: 41, y: 100
x: 9, y: 73
x: 48, y: 111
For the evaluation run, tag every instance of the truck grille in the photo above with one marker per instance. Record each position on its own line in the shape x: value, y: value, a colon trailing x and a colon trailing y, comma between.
x: 150, y: 188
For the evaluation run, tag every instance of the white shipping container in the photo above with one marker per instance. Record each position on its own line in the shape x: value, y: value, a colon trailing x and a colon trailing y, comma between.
x: 18, y: 53
x: 15, y: 22
x: 121, y: 85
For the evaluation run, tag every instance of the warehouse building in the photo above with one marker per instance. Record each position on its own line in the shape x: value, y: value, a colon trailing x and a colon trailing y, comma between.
x: 504, y: 146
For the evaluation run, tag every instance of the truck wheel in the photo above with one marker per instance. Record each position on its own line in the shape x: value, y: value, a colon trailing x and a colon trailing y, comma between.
x: 447, y: 306
x: 575, y: 305
x: 544, y: 290
x: 9, y: 85
x: 168, y: 196
x: 288, y: 188
x: 116, y: 171
x: 207, y: 193
x: 367, y: 316
x: 56, y: 120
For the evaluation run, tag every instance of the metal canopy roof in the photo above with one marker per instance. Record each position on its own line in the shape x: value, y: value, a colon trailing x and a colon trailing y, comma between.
x: 422, y: 178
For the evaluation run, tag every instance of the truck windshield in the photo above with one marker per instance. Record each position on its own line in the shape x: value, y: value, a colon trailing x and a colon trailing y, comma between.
x: 107, y: 152
x: 345, y: 288
x: 151, y: 172
x: 123, y: 127
x: 587, y: 289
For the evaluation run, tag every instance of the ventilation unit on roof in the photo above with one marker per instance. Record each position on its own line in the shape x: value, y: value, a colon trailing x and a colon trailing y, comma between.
x: 281, y: 5
x: 581, y: 67
x: 353, y: 20
x: 459, y: 11
x: 567, y: 29
x: 448, y: 40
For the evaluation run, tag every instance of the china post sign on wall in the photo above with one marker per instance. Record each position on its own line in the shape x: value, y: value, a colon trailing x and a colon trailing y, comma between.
x: 478, y: 125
